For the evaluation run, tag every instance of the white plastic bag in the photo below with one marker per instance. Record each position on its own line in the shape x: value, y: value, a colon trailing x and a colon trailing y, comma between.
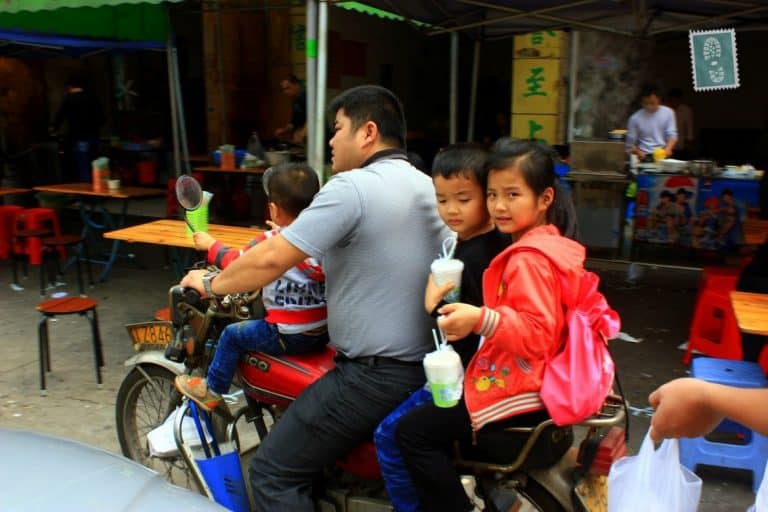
x: 653, y: 481
x: 761, y: 501
x: 162, y: 443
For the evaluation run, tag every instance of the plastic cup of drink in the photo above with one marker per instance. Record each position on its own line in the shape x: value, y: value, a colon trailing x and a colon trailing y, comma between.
x: 198, y: 218
x: 445, y: 376
x: 445, y: 270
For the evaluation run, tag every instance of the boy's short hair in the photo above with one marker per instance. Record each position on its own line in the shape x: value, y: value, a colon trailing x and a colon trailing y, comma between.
x: 291, y: 186
x: 465, y: 159
x: 373, y: 103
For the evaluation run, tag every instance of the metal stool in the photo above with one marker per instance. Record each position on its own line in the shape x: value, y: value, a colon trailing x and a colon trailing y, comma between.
x: 67, y: 306
x: 51, y: 246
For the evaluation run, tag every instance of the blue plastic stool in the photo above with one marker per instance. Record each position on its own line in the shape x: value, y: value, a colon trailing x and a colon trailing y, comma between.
x: 753, y: 454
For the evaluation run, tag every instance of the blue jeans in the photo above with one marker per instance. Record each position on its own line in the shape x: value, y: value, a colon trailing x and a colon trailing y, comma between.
x: 397, y: 479
x: 252, y: 336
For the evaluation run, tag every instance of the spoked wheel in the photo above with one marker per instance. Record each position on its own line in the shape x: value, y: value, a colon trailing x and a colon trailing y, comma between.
x: 143, y: 405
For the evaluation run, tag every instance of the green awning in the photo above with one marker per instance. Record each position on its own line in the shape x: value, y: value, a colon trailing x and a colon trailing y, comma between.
x: 379, y: 13
x: 130, y: 20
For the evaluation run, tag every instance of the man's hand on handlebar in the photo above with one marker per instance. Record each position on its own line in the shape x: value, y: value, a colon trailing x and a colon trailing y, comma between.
x: 194, y: 280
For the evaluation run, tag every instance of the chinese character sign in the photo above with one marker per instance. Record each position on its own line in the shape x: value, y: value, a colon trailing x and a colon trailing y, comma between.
x: 713, y: 57
x: 535, y: 89
x: 542, y: 127
x: 543, y: 43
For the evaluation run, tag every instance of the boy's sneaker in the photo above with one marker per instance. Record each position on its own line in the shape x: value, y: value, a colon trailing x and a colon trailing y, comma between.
x: 196, y: 388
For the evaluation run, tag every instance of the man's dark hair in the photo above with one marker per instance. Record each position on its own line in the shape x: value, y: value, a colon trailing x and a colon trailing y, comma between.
x: 464, y: 159
x: 649, y: 89
x: 373, y: 103
x: 291, y: 186
x: 675, y: 93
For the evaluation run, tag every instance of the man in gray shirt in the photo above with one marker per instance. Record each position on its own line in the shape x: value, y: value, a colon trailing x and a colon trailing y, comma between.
x: 651, y: 127
x: 376, y: 230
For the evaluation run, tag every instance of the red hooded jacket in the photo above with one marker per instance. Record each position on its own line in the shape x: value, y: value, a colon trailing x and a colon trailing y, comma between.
x: 522, y: 323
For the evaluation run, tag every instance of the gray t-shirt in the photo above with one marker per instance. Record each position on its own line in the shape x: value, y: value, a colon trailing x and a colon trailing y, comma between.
x: 376, y: 230
x: 649, y: 131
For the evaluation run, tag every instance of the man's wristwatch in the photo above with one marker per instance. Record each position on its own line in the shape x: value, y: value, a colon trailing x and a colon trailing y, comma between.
x: 207, y: 280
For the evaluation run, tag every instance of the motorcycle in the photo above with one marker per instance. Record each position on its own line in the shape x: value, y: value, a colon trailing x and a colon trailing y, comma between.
x: 536, y: 465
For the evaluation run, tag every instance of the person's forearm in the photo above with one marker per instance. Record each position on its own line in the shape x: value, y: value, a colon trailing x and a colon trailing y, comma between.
x: 742, y: 405
x: 670, y: 146
x: 257, y: 267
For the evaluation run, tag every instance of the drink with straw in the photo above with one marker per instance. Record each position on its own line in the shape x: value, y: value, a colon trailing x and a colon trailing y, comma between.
x: 446, y: 268
x: 445, y: 374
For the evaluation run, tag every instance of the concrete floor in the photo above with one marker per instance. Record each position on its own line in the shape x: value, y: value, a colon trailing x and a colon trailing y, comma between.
x: 657, y: 310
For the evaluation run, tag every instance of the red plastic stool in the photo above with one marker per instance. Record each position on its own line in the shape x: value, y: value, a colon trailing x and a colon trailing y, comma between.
x: 719, y: 278
x: 35, y: 219
x: 7, y: 215
x: 714, y: 330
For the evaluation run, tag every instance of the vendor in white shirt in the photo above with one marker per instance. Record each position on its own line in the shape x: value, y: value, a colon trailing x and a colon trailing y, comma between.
x: 651, y: 127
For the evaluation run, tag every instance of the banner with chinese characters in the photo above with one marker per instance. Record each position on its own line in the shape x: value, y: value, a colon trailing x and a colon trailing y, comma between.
x: 535, y: 126
x: 713, y: 58
x: 534, y: 86
x: 540, y: 44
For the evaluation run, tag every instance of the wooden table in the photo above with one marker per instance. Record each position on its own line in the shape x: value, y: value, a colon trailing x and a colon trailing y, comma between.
x: 755, y: 231
x: 92, y: 206
x: 751, y: 311
x: 7, y: 191
x: 173, y: 233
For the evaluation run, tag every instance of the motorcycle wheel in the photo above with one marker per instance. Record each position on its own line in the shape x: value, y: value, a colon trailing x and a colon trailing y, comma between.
x: 143, y: 406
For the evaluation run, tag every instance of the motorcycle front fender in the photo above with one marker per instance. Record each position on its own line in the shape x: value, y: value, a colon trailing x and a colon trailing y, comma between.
x: 157, y: 358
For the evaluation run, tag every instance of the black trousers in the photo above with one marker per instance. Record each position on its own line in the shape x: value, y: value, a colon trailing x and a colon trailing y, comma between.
x: 328, y: 420
x: 426, y: 435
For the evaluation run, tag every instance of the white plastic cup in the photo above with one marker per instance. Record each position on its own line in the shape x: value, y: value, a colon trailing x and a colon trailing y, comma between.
x: 113, y: 185
x: 445, y: 376
x: 445, y: 270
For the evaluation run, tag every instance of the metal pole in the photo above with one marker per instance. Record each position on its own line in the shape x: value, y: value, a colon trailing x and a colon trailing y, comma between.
x: 473, y: 93
x: 184, y: 147
x: 322, y: 68
x: 311, y: 85
x: 223, y: 99
x: 573, y: 84
x: 454, y: 100
x: 174, y: 118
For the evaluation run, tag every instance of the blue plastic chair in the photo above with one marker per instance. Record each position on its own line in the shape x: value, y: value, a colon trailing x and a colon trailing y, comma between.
x: 753, y: 453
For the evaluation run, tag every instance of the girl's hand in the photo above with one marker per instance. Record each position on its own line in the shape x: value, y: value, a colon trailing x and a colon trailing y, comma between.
x: 434, y: 294
x: 458, y: 320
x: 203, y: 241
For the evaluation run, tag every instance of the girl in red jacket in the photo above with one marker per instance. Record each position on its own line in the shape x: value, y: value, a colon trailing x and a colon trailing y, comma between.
x: 522, y: 321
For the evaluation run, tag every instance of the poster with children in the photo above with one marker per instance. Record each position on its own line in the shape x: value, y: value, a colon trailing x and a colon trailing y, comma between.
x: 665, y: 209
x: 722, y: 207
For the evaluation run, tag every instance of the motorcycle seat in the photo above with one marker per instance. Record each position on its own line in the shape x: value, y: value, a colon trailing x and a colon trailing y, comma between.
x: 526, y: 442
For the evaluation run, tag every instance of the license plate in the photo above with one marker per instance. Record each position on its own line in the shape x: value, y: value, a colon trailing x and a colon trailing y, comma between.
x: 150, y: 335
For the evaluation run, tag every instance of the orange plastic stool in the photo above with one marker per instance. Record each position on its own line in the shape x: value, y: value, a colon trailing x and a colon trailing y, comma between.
x: 714, y: 330
x: 7, y: 215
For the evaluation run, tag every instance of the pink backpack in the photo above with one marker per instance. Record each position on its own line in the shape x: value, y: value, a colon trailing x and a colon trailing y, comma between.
x: 579, y: 377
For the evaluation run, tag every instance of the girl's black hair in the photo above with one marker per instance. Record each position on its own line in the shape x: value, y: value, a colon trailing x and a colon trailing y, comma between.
x: 536, y: 161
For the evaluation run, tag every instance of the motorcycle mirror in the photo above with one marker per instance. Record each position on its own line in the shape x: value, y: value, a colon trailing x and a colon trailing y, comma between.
x: 189, y: 193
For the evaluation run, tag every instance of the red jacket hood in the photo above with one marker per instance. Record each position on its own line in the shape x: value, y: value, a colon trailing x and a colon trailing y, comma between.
x: 567, y: 255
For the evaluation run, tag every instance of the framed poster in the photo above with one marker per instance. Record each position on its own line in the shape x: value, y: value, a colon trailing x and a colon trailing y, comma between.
x: 713, y: 58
